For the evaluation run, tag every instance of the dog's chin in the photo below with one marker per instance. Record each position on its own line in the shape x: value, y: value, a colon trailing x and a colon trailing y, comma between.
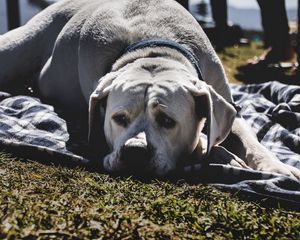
x: 155, y: 168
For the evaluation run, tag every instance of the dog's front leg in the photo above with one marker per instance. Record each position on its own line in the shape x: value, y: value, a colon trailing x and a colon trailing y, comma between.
x: 221, y: 155
x: 243, y: 142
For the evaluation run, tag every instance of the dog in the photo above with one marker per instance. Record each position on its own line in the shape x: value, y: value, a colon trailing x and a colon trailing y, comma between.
x: 148, y: 76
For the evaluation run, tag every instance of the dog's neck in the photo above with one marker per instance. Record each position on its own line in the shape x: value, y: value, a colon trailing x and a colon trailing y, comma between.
x: 159, y: 42
x: 155, y: 52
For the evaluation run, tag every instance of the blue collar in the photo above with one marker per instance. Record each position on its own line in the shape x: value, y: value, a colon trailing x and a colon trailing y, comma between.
x: 156, y: 42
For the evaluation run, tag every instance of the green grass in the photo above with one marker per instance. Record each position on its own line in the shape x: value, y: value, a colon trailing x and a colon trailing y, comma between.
x: 236, y: 56
x: 40, y: 202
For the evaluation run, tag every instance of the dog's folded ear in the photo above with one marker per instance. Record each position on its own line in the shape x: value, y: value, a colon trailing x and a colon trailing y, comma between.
x: 97, y: 105
x: 220, y: 113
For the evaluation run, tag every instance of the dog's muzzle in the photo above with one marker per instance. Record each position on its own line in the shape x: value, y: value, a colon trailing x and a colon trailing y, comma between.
x: 136, y: 153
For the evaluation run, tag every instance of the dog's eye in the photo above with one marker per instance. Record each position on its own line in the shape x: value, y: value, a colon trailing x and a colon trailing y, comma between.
x: 121, y: 119
x: 165, y: 121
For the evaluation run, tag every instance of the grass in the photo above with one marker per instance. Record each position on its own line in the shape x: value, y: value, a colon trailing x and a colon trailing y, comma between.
x: 234, y: 57
x: 40, y: 202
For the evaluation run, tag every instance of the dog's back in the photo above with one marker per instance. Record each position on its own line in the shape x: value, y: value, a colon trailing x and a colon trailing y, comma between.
x: 90, y: 34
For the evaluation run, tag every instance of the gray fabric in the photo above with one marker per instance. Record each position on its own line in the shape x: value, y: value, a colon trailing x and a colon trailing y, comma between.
x: 32, y: 129
x: 273, y: 111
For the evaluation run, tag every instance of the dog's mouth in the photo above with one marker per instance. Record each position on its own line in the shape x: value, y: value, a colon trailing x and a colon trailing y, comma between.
x: 140, y: 171
x: 138, y: 162
x: 144, y: 161
x: 136, y: 159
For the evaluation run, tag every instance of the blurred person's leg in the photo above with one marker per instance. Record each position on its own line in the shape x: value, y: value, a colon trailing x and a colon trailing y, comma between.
x: 276, y: 31
x: 13, y: 14
x: 184, y: 3
x: 298, y: 38
x: 266, y: 22
x: 219, y: 13
x: 223, y: 36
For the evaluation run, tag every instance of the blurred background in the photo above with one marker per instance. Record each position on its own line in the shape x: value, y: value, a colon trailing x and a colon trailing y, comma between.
x: 242, y: 40
x: 243, y: 12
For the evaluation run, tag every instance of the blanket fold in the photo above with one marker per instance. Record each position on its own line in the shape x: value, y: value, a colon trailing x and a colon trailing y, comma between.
x: 34, y: 130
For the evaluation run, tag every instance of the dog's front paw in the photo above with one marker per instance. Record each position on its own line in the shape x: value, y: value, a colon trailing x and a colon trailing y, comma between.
x: 261, y: 159
x: 275, y: 166
x: 219, y: 154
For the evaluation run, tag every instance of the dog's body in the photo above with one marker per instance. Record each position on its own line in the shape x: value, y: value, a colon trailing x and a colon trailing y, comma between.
x: 153, y: 94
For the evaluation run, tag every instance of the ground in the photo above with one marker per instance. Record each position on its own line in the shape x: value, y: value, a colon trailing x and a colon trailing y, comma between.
x: 236, y: 56
x: 40, y: 201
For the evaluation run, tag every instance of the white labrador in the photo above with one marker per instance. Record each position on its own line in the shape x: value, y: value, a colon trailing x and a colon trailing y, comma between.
x: 148, y: 103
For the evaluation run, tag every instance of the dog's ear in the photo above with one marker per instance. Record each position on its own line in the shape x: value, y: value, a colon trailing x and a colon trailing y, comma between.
x: 97, y: 106
x: 220, y: 113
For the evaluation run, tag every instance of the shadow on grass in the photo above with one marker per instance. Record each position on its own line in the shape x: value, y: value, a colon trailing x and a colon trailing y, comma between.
x: 261, y: 73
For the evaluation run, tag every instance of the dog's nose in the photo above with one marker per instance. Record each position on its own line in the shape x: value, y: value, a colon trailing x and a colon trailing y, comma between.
x: 136, y: 152
x: 136, y: 156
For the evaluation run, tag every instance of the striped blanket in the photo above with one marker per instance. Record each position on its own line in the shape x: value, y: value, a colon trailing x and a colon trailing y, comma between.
x: 31, y: 129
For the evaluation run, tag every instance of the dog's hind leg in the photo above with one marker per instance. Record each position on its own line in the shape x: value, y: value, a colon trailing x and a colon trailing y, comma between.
x: 24, y: 51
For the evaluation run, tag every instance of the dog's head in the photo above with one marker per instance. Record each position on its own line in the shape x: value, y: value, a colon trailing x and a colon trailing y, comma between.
x: 151, y: 115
